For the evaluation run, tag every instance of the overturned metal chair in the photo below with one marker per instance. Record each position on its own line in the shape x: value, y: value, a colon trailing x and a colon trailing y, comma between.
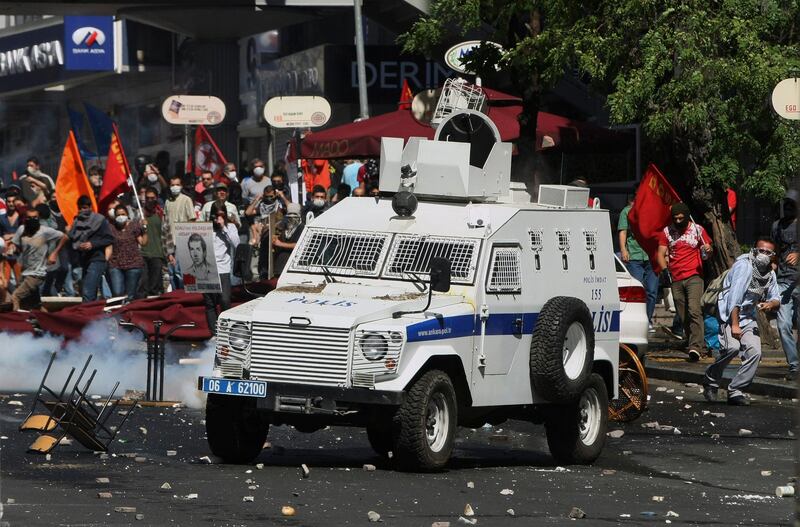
x: 74, y: 415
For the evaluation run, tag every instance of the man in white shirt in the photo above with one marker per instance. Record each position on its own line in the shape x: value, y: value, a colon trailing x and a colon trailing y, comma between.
x: 221, y: 199
x: 226, y: 238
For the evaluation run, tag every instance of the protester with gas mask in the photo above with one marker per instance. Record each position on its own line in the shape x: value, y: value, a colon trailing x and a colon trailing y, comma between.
x: 37, y: 187
x: 287, y: 234
x: 226, y: 238
x: 154, y: 251
x: 750, y: 286
x: 686, y: 245
x: 179, y: 208
x: 90, y: 234
x: 126, y: 262
x: 318, y: 202
x: 784, y: 232
x: 33, y: 240
x: 253, y: 186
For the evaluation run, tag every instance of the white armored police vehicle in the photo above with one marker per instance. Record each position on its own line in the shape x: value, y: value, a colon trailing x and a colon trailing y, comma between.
x: 450, y: 304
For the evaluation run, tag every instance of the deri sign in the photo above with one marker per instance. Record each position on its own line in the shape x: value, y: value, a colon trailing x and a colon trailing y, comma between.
x: 89, y: 43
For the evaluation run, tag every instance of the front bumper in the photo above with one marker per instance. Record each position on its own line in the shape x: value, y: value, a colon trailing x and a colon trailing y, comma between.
x: 315, y: 399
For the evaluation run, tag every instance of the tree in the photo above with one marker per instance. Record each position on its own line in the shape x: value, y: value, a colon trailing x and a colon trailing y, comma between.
x: 697, y: 74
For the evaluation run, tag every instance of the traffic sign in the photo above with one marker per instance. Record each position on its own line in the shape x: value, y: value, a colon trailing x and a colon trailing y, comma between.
x: 193, y: 109
x: 297, y: 111
x: 786, y: 98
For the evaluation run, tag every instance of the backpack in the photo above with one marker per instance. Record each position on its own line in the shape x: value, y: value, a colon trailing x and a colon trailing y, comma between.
x: 712, y: 292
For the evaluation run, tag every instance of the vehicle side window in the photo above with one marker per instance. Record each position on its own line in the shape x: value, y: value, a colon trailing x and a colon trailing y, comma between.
x: 505, y: 271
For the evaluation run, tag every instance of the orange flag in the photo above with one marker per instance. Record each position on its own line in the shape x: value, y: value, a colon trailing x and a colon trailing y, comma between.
x: 72, y: 182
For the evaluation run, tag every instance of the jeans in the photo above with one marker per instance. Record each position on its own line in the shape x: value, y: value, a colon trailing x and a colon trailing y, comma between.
x: 92, y: 275
x: 212, y: 300
x: 152, y: 279
x: 125, y: 282
x: 54, y: 282
x: 688, y: 295
x: 788, y: 319
x: 175, y: 275
x: 643, y: 271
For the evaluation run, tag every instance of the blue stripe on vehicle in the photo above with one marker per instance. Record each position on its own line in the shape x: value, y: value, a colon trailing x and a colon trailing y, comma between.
x: 469, y: 325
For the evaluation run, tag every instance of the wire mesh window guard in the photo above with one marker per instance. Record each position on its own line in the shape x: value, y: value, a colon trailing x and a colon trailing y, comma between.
x: 412, y: 254
x: 341, y: 252
x: 505, y: 275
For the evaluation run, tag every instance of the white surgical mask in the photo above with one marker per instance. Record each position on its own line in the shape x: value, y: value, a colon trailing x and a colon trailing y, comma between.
x: 152, y: 178
x: 175, y: 189
x: 319, y: 202
x: 258, y: 171
x: 31, y: 170
x: 110, y: 213
x: 121, y: 219
x: 232, y: 175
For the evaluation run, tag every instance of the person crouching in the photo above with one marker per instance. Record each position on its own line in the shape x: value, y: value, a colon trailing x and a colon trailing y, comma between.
x: 750, y: 281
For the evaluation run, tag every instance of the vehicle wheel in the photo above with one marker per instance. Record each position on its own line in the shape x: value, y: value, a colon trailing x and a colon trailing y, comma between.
x: 632, y: 399
x: 425, y: 424
x: 576, y: 433
x: 236, y: 431
x: 562, y: 349
x: 380, y: 438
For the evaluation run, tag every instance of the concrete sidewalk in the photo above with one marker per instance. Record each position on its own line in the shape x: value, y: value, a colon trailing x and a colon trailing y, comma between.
x: 666, y: 360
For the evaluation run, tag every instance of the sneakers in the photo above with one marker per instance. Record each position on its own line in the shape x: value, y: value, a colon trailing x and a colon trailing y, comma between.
x: 710, y: 393
x: 694, y: 356
x: 791, y: 376
x: 669, y: 331
x: 738, y: 400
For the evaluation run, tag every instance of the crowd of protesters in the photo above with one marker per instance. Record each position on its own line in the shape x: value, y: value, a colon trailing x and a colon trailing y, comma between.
x: 127, y: 251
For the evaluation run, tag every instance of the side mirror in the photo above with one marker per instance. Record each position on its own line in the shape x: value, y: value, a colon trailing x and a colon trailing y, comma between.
x: 440, y: 275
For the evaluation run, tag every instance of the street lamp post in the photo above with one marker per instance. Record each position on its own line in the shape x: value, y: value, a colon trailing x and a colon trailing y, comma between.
x: 360, y: 62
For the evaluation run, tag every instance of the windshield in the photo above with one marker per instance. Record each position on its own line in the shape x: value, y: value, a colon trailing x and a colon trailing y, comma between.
x: 407, y: 256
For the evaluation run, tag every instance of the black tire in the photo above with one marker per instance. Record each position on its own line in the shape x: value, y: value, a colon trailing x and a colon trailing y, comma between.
x: 236, y: 430
x: 380, y: 438
x: 550, y: 378
x: 571, y: 442
x: 413, y: 448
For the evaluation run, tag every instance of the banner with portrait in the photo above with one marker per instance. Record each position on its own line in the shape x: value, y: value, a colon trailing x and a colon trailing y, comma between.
x: 194, y: 250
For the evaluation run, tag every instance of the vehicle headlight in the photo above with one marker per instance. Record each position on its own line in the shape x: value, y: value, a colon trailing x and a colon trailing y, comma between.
x: 239, y: 336
x: 373, y: 346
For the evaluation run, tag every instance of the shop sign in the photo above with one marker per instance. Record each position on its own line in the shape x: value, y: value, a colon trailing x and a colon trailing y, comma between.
x: 27, y: 59
x: 454, y: 56
x: 786, y: 98
x: 193, y: 110
x: 89, y: 43
x: 297, y: 111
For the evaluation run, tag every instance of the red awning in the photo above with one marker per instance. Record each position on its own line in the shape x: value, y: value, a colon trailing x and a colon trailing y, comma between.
x: 362, y: 139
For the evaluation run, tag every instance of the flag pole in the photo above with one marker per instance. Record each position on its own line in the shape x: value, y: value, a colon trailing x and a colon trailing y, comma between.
x: 128, y: 170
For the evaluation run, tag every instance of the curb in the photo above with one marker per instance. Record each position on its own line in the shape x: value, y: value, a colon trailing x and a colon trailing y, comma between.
x: 760, y: 386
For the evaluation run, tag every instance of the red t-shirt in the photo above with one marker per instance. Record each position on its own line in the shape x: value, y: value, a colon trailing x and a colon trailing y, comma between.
x: 684, y: 250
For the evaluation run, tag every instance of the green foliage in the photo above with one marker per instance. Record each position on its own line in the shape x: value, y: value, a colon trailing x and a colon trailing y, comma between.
x: 697, y: 74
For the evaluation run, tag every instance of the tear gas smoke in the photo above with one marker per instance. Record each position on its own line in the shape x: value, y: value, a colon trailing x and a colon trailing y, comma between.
x: 116, y: 355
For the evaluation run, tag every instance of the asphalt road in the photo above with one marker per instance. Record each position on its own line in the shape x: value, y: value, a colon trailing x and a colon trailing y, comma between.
x: 703, y: 478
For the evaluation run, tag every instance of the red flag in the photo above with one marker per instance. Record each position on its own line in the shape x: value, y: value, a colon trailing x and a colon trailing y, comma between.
x: 650, y: 212
x: 207, y: 155
x: 115, y: 180
x: 72, y: 181
x: 14, y: 176
x: 405, y: 97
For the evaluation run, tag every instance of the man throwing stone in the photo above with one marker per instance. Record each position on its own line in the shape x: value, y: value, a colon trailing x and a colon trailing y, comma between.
x: 750, y: 285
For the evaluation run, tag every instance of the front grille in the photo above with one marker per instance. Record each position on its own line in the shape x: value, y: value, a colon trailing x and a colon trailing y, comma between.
x: 299, y: 354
